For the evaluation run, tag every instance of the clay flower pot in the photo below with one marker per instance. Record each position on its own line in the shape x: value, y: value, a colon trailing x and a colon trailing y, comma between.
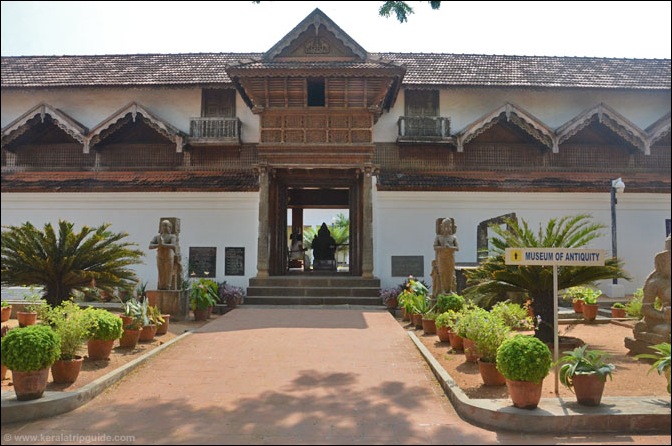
x: 98, y: 349
x: 65, y: 371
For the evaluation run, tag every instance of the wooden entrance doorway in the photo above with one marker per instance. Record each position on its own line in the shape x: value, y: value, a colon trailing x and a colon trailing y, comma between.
x: 301, y: 189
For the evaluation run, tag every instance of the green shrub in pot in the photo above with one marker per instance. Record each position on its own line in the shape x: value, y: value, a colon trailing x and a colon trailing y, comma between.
x: 524, y: 358
x: 31, y: 348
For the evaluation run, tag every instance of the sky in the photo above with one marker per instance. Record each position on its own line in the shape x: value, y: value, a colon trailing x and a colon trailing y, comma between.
x: 619, y: 29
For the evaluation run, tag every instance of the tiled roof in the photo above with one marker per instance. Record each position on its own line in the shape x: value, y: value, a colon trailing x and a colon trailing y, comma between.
x: 422, y: 69
x: 116, y: 181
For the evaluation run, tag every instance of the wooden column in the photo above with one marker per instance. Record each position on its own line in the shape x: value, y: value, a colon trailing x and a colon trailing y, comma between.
x: 263, y: 237
x: 367, y: 224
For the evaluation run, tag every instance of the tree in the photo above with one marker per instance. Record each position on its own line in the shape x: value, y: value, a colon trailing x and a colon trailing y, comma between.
x: 400, y: 9
x: 493, y: 279
x: 68, y: 261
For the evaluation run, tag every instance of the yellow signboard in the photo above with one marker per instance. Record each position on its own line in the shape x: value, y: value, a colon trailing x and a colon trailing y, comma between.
x: 554, y: 256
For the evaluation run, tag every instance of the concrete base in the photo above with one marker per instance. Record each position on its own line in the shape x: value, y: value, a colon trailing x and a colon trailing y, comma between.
x: 170, y: 302
x: 615, y: 290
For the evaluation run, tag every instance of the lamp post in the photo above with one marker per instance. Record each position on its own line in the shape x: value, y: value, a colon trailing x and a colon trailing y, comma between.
x: 617, y: 186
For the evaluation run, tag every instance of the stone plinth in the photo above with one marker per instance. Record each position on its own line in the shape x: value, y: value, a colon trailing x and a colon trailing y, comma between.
x: 170, y: 302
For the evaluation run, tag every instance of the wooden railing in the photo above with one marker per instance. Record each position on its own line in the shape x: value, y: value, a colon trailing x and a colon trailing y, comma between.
x: 419, y: 128
x: 215, y: 130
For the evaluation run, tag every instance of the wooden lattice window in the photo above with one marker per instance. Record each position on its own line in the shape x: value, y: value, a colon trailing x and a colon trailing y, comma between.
x: 422, y: 103
x: 219, y: 103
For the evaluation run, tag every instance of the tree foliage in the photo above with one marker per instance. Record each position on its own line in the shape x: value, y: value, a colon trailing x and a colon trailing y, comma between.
x: 401, y: 9
x: 493, y: 279
x: 68, y: 260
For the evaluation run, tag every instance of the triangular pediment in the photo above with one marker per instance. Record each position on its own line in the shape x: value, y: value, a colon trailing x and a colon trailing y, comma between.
x: 131, y: 113
x: 316, y: 38
x: 658, y: 130
x: 40, y: 114
x: 608, y: 118
x: 514, y: 115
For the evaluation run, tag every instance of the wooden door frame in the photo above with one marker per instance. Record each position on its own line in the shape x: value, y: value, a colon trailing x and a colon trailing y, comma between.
x: 279, y: 183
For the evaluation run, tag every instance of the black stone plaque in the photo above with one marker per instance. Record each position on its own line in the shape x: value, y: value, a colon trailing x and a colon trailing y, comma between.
x: 404, y: 266
x: 202, y: 262
x: 234, y: 261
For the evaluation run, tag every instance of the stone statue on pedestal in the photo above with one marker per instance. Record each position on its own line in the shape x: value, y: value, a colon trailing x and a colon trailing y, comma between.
x: 445, y: 246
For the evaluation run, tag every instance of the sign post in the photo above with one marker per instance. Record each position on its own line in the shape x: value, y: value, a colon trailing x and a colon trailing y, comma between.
x: 554, y: 257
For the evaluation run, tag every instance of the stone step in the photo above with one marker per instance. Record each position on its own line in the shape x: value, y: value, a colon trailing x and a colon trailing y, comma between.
x: 314, y: 290
x: 313, y: 300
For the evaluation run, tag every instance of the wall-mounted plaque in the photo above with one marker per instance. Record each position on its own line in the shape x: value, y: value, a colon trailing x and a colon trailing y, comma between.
x: 404, y: 266
x: 234, y: 261
x: 202, y: 262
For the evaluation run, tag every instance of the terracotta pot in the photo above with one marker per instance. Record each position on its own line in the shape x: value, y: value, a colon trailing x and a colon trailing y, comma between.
x: 405, y: 316
x: 98, y: 349
x: 443, y: 333
x: 200, y: 315
x: 417, y: 320
x: 490, y: 374
x: 429, y: 326
x: 578, y: 306
x: 590, y: 311
x: 147, y: 333
x: 163, y: 328
x: 456, y: 342
x: 6, y: 313
x: 470, y: 353
x: 129, y: 339
x: 66, y: 371
x: 588, y: 389
x: 30, y: 385
x: 391, y: 304
x: 125, y: 320
x: 26, y: 319
x: 524, y: 394
x: 618, y: 313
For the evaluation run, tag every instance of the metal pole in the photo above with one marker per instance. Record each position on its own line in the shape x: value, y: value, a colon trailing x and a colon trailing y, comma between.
x: 614, y: 251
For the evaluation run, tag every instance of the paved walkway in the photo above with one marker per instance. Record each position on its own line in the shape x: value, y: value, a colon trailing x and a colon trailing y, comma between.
x: 261, y: 375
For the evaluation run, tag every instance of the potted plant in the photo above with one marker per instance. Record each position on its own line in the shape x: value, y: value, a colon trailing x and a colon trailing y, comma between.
x: 151, y: 319
x: 104, y: 329
x: 429, y: 322
x: 524, y: 361
x: 590, y: 305
x: 6, y: 311
x: 584, y: 372
x: 514, y: 315
x: 389, y: 298
x: 29, y: 314
x: 232, y: 295
x: 133, y: 321
x: 71, y: 324
x: 450, y: 301
x: 443, y: 325
x: 3, y: 332
x: 575, y: 294
x: 29, y: 352
x: 662, y: 360
x: 468, y: 326
x: 618, y: 310
x: 203, y: 295
x: 489, y: 331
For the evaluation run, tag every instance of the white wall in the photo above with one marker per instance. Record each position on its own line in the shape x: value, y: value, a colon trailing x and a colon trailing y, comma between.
x: 463, y: 106
x: 404, y: 224
x: 207, y: 220
x: 553, y: 107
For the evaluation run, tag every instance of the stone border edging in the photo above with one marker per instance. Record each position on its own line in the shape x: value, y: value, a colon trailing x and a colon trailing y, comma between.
x: 554, y: 415
x: 55, y: 403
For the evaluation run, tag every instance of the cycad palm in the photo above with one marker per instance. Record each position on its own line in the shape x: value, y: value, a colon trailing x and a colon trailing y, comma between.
x: 493, y: 278
x: 68, y: 260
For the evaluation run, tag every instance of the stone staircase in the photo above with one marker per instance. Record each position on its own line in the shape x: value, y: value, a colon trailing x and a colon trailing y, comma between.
x: 314, y: 290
